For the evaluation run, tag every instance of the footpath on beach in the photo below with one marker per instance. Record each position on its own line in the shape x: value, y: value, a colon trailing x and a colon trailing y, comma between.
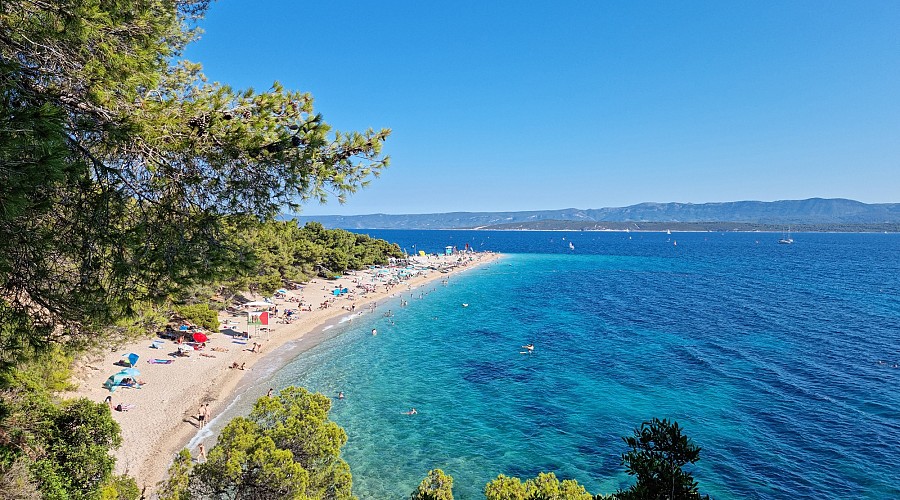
x: 175, y: 384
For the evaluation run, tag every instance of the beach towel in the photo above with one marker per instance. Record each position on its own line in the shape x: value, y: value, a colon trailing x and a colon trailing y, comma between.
x: 160, y: 361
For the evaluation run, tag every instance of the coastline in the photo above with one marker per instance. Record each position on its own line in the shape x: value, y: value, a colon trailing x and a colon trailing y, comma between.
x: 164, y: 417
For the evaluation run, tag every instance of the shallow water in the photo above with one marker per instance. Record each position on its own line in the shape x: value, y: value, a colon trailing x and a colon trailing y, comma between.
x: 767, y: 355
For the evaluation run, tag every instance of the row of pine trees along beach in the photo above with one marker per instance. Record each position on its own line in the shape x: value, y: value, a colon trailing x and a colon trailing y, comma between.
x: 132, y: 191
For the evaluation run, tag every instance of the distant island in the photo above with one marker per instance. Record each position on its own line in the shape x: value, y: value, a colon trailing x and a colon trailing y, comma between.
x: 811, y: 215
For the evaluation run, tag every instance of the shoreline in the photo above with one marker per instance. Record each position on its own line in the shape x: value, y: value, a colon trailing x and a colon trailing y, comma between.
x: 164, y: 418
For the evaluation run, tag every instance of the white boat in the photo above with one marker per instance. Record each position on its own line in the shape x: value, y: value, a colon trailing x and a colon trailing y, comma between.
x: 571, y: 246
x: 786, y: 238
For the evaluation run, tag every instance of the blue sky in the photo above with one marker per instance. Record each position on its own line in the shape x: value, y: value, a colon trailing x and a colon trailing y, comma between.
x: 586, y: 104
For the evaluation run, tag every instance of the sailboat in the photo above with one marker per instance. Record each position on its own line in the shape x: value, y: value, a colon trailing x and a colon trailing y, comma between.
x: 786, y: 237
x: 571, y: 246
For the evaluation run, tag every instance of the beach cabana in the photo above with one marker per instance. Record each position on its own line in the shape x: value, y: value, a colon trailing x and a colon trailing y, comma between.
x: 113, y: 381
x: 131, y: 358
x: 116, y: 379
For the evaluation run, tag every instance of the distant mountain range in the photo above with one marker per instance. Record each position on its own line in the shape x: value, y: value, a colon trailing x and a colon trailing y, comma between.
x: 746, y: 215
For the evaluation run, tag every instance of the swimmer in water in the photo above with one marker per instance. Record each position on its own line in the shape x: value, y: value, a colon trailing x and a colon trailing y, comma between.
x: 530, y: 347
x: 412, y: 411
x: 341, y: 395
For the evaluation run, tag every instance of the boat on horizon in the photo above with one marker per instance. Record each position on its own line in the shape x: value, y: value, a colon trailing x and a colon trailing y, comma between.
x: 786, y: 237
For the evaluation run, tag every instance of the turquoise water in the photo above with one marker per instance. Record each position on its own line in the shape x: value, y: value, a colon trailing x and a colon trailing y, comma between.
x: 768, y: 355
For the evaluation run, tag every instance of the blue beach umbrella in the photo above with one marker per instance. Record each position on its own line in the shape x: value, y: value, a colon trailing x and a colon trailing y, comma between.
x: 130, y: 372
x: 281, y: 290
x: 132, y: 358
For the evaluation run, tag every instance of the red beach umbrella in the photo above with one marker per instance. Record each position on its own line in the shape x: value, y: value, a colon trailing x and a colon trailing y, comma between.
x: 200, y: 337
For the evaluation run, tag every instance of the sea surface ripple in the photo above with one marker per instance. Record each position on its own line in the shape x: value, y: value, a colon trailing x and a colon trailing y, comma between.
x: 776, y: 359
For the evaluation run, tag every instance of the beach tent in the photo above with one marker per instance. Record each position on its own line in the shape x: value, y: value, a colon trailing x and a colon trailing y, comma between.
x: 113, y: 381
x: 116, y: 379
x: 132, y: 358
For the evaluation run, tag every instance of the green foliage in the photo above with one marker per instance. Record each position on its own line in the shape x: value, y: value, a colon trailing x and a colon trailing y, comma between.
x: 658, y: 452
x: 51, y: 373
x: 200, y: 314
x: 177, y: 484
x: 120, y: 488
x: 281, y: 251
x: 285, y: 448
x: 16, y: 482
x: 435, y: 486
x: 65, y: 446
x: 543, y: 487
x: 68, y: 445
x: 127, y: 176
x: 77, y: 439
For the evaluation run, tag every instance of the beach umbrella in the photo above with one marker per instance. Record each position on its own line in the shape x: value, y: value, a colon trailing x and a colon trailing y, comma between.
x: 281, y: 290
x: 200, y: 337
x: 132, y: 358
x: 130, y: 372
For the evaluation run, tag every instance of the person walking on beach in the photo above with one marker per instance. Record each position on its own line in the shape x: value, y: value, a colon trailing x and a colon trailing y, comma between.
x: 201, y: 415
x: 206, y: 412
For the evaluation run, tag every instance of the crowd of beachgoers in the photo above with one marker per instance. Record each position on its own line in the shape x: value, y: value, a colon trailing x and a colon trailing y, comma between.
x: 168, y: 387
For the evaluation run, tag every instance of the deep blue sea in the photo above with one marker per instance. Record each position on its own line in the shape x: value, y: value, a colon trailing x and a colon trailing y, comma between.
x: 769, y: 356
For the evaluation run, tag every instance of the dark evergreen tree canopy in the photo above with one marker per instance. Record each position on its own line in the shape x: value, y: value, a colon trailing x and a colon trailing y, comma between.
x: 659, y: 451
x: 125, y: 172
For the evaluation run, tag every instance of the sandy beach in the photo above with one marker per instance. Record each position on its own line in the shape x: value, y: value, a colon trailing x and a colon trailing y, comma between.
x: 164, y: 411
